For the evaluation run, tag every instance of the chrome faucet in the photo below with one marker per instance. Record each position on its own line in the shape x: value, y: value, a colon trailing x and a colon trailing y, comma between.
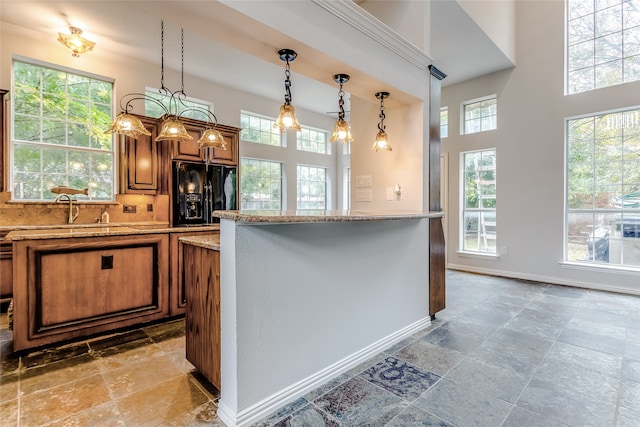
x: 72, y: 215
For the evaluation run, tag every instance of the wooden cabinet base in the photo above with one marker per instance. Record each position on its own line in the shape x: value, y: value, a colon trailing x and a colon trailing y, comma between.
x: 70, y: 288
x: 202, y: 279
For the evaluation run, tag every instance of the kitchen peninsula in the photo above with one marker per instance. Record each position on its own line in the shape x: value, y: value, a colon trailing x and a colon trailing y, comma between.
x: 304, y: 296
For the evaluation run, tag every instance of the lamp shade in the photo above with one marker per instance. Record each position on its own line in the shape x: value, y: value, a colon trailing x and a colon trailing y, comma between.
x: 287, y: 118
x: 212, y: 138
x: 129, y: 125
x: 172, y: 129
x: 75, y: 42
x: 382, y: 142
x: 341, y: 132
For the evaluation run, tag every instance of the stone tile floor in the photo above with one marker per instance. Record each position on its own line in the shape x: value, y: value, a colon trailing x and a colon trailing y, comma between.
x: 504, y: 353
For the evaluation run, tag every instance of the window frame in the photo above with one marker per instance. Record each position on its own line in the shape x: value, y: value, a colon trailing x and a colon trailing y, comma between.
x: 281, y: 178
x: 604, y: 220
x: 590, y: 43
x: 327, y: 144
x: 326, y: 183
x: 444, y: 126
x: 463, y: 114
x: 273, y: 131
x: 67, y: 150
x: 481, y: 210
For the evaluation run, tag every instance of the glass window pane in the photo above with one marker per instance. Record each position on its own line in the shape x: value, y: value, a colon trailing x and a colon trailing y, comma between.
x: 600, y: 41
x: 56, y: 111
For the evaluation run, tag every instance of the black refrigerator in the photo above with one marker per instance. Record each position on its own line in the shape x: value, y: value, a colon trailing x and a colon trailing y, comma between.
x: 199, y: 189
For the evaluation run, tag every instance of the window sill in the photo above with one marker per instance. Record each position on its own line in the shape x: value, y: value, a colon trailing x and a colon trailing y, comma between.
x: 602, y: 268
x: 477, y: 255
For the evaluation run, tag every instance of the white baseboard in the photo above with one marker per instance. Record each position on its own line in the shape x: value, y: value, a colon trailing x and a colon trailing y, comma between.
x: 277, y: 400
x: 544, y: 279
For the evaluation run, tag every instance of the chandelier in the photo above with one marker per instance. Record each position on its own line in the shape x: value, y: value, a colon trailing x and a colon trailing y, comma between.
x: 171, y: 127
x: 75, y: 42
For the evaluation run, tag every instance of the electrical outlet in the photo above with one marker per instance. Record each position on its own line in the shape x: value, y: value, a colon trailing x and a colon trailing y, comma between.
x: 149, y: 207
x: 129, y: 208
x: 503, y: 250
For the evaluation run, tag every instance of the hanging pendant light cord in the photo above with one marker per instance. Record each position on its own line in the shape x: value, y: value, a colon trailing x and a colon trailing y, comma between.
x: 287, y: 84
x: 382, y: 116
x: 162, y: 88
x: 182, y: 59
x: 341, y: 102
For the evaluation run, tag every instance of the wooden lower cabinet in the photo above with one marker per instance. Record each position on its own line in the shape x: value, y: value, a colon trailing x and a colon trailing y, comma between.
x: 70, y: 288
x: 202, y: 278
x: 177, y: 296
x: 6, y: 272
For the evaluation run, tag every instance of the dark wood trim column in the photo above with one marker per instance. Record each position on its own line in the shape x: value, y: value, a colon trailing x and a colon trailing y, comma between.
x: 4, y: 140
x: 436, y: 233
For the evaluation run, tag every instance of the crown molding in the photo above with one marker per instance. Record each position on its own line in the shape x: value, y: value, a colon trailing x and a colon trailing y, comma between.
x: 354, y: 15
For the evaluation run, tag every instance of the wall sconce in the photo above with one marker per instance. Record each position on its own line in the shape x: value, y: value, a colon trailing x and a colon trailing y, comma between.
x: 382, y: 140
x: 341, y: 131
x: 287, y: 117
x: 75, y: 42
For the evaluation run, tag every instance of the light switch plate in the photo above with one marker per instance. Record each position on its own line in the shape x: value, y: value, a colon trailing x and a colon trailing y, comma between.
x: 364, y: 195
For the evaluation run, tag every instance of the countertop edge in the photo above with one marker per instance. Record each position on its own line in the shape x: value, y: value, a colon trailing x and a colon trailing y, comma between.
x: 286, y: 217
x: 106, y: 231
x: 207, y: 242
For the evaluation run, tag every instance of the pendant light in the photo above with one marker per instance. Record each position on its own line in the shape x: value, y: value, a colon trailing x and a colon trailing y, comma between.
x: 75, y: 42
x: 341, y: 131
x: 382, y: 140
x: 171, y: 127
x: 287, y: 117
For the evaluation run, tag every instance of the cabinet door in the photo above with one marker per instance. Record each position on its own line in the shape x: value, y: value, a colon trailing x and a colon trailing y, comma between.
x: 202, y: 326
x: 71, y: 288
x: 177, y: 293
x: 139, y: 162
x: 228, y: 156
x: 6, y: 269
x: 189, y: 150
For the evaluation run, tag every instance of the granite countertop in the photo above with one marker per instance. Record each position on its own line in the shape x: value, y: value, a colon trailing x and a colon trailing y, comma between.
x: 98, y: 231
x: 154, y: 224
x: 283, y: 217
x: 207, y: 242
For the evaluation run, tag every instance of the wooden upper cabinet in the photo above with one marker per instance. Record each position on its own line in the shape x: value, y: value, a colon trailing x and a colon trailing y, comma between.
x: 189, y: 150
x: 139, y: 161
x: 230, y: 155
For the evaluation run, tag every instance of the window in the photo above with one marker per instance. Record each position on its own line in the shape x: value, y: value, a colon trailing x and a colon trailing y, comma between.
x: 346, y: 179
x: 312, y: 140
x: 480, y: 115
x: 59, y: 118
x: 603, y: 43
x: 479, y: 201
x: 261, y: 184
x: 444, y: 122
x: 259, y: 129
x: 603, y: 189
x: 312, y: 187
x: 154, y: 110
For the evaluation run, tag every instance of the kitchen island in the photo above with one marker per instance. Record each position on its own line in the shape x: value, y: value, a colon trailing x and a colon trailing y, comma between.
x: 305, y: 296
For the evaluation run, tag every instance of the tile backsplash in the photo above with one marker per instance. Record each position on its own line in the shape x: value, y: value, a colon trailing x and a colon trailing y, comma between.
x: 50, y: 213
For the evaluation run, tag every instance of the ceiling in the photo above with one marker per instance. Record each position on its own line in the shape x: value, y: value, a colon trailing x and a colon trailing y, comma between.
x: 226, y: 47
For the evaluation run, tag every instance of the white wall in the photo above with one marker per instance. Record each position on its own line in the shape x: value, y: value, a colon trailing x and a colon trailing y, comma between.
x: 530, y: 153
x: 497, y: 19
x: 284, y: 331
